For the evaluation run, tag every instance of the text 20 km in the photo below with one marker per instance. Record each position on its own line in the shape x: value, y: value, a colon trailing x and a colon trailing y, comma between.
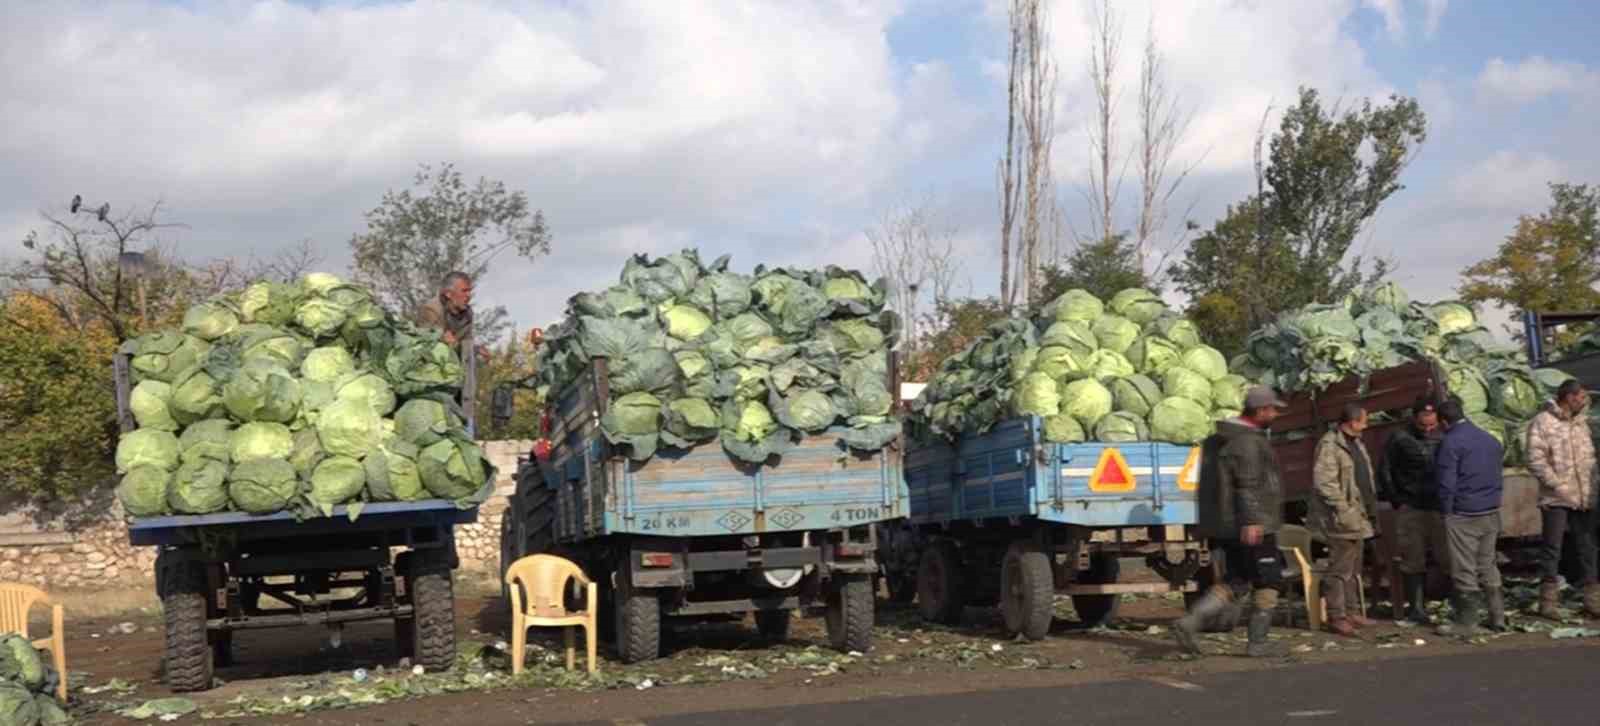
x: 673, y: 522
x: 861, y: 514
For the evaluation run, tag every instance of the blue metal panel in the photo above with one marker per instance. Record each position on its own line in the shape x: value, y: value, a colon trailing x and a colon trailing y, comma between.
x: 374, y: 517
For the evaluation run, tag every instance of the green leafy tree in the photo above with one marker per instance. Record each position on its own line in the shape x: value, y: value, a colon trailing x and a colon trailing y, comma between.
x: 1102, y: 268
x: 509, y: 363
x: 417, y: 236
x: 956, y: 324
x: 1326, y: 173
x: 1550, y: 261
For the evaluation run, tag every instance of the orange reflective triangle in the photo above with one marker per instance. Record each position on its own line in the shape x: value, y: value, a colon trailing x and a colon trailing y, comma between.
x: 1188, y: 476
x: 1111, y: 472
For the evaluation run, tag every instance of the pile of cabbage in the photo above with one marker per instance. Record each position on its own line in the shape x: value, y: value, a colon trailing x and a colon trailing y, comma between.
x: 1314, y: 347
x: 698, y: 353
x: 1127, y: 369
x: 27, y: 686
x: 294, y: 397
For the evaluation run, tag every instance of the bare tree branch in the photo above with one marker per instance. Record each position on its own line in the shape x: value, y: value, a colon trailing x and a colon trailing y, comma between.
x: 1104, y: 184
x: 913, y: 249
x: 1163, y: 123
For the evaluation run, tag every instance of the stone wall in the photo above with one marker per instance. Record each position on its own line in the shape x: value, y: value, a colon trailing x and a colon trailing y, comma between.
x: 85, y: 545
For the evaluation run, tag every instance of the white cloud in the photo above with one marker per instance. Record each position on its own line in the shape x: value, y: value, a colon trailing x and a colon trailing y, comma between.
x: 1435, y: 10
x: 1533, y: 78
x: 1394, y: 20
x: 1508, y: 182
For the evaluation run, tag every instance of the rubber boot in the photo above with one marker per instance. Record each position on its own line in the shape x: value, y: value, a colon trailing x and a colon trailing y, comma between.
x: 1417, y: 597
x: 1464, y: 621
x: 1591, y: 600
x: 1550, y: 600
x: 1187, y: 629
x: 1260, y: 645
x: 1496, y: 600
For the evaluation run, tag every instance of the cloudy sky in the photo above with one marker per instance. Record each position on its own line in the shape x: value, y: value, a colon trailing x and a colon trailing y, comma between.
x: 776, y: 131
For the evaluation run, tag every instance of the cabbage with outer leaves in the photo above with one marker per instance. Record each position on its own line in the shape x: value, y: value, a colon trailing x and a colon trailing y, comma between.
x: 1467, y: 383
x: 210, y: 321
x: 1323, y: 321
x: 1076, y: 305
x: 749, y: 432
x: 20, y: 663
x: 349, y: 427
x: 1453, y: 317
x: 685, y: 322
x: 147, y: 447
x: 1115, y: 333
x: 723, y: 294
x: 1228, y: 392
x: 1514, y: 394
x: 17, y: 705
x: 271, y: 303
x: 634, y: 420
x: 1152, y: 356
x: 260, y: 440
x: 317, y: 283
x: 199, y: 487
x: 1180, y: 421
x: 1138, y: 305
x: 1120, y: 427
x: 807, y: 410
x: 1063, y: 429
x: 1106, y: 365
x: 453, y: 469
x: 262, y: 392
x: 392, y: 474
x: 1037, y: 396
x: 1086, y: 400
x: 1179, y: 330
x: 143, y: 491
x: 422, y: 364
x: 658, y: 280
x: 272, y: 345
x: 422, y: 421
x: 321, y: 317
x: 328, y: 364
x: 854, y: 336
x: 208, y: 439
x: 148, y: 401
x: 851, y: 289
x: 337, y: 480
x: 1061, y: 364
x: 1206, y: 361
x: 166, y: 355
x: 1073, y: 335
x: 196, y: 397
x: 689, y: 421
x: 653, y: 370
x: 263, y: 486
x: 1389, y: 296
x: 369, y: 389
x: 306, y: 453
x: 1181, y: 382
x: 1136, y: 394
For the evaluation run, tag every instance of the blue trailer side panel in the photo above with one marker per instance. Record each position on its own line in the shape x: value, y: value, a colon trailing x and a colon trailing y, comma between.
x: 1011, y: 472
x: 376, y: 516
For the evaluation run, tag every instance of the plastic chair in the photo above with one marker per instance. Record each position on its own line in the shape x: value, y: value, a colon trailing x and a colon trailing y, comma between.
x: 543, y: 581
x: 15, y: 602
x: 1297, y: 541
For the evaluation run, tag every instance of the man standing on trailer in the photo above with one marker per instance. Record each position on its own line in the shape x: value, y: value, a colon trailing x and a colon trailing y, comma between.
x: 1470, y: 491
x: 1561, y: 457
x: 451, y: 313
x: 1241, y: 507
x: 1411, y: 487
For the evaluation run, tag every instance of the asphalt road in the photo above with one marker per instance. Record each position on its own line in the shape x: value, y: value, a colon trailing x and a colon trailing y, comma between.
x: 1548, y: 687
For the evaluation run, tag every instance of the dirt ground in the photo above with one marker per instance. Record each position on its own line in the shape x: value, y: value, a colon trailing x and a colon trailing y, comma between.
x: 297, y: 676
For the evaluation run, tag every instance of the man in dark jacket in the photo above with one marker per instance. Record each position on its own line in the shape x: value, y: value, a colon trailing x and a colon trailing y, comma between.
x: 1470, y: 488
x: 1240, y: 509
x: 1410, y: 485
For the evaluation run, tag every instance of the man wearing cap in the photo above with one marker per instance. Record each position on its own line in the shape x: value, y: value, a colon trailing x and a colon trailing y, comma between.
x: 1408, y: 483
x: 1241, y: 507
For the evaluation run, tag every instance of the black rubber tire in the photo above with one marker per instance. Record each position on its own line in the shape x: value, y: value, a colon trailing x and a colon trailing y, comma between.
x: 1097, y: 610
x: 774, y: 625
x: 1027, y: 593
x: 638, y: 616
x: 433, y: 620
x: 850, y: 613
x: 188, y: 656
x: 941, y: 586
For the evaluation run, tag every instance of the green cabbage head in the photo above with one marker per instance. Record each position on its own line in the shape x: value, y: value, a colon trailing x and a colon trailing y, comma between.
x: 147, y: 447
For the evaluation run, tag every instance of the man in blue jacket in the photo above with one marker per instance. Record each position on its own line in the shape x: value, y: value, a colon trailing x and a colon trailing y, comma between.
x: 1469, y: 465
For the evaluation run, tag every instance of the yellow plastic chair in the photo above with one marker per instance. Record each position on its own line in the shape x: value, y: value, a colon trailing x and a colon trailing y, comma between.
x: 1297, y: 541
x: 543, y: 581
x: 15, y: 602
